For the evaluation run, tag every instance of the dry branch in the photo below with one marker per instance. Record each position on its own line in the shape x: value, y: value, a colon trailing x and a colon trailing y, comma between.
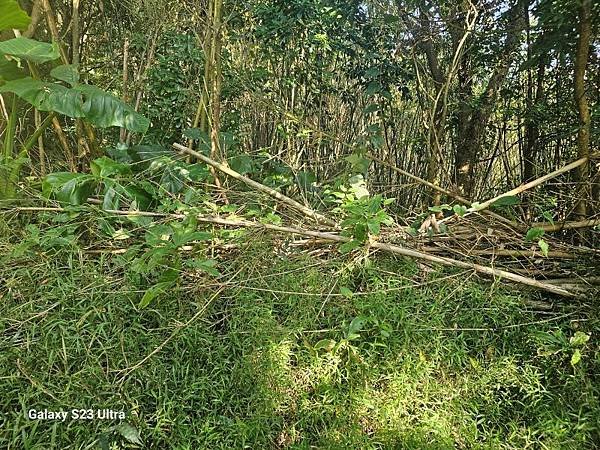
x: 258, y: 186
x: 509, y: 253
x: 440, y: 189
x: 414, y: 254
x: 550, y: 227
x: 531, y: 184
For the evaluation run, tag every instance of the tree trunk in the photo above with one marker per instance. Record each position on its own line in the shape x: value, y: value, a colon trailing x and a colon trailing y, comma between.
x: 583, y: 136
x: 471, y: 136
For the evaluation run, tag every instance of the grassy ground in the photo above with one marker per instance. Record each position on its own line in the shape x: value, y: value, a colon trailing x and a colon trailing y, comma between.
x: 285, y: 356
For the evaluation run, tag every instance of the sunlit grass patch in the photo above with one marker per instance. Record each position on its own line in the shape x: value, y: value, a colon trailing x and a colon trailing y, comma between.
x: 287, y: 358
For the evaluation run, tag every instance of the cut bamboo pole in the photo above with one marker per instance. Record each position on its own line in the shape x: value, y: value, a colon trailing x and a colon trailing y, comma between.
x: 559, y: 226
x: 440, y: 189
x: 258, y: 186
x: 506, y: 252
x: 414, y: 254
x: 531, y: 184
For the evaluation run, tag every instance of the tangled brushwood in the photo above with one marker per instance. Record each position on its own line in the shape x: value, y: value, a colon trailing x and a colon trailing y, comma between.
x: 486, y: 237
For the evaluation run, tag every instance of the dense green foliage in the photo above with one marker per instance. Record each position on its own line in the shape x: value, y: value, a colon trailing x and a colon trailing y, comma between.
x: 142, y: 277
x: 332, y: 357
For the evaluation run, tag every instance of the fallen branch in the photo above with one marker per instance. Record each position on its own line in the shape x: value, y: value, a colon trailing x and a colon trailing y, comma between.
x: 580, y: 280
x: 258, y: 186
x: 441, y: 190
x: 550, y: 227
x: 531, y: 184
x: 490, y: 271
x: 506, y: 252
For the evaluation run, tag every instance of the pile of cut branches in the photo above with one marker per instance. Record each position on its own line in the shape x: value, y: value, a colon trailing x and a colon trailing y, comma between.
x: 472, y: 237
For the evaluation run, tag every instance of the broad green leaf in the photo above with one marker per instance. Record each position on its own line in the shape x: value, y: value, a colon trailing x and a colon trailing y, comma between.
x: 105, y: 110
x: 548, y: 216
x: 198, y: 172
x: 155, y: 291
x: 579, y: 339
x: 440, y: 208
x: 374, y: 226
x: 360, y: 232
x: 205, y: 265
x: 173, y: 177
x: 130, y: 433
x: 12, y: 16
x: 47, y: 96
x: 357, y: 324
x: 373, y: 88
x: 358, y: 163
x: 459, y: 210
x: 375, y: 204
x: 30, y: 50
x: 349, y: 246
x: 67, y: 187
x: 355, y: 327
x: 139, y: 198
x: 196, y: 134
x: 106, y: 167
x: 544, y: 247
x: 203, y: 139
x: 242, y: 164
x: 158, y: 234
x: 271, y: 218
x: 111, y: 199
x: 325, y: 344
x: 576, y: 357
x: 9, y: 70
x: 119, y: 153
x: 534, y: 233
x: 145, y: 154
x: 169, y: 276
x: 346, y: 292
x: 371, y: 108
x: 509, y: 200
x: 183, y: 237
x: 67, y: 73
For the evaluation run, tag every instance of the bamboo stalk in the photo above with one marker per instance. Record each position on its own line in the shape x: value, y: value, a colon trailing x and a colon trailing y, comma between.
x: 550, y: 227
x: 258, y: 186
x: 440, y: 189
x: 123, y: 132
x: 414, y: 254
x: 505, y: 252
x: 41, y: 149
x: 531, y: 184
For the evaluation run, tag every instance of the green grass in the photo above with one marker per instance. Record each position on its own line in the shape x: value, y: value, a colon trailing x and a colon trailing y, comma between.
x: 441, y: 361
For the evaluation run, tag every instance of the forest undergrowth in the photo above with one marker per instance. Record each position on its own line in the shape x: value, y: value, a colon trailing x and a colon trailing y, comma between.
x: 278, y: 348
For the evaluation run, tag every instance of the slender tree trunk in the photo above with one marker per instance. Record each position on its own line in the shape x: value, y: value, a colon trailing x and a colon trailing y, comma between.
x: 216, y: 149
x: 75, y: 34
x: 583, y: 136
x: 123, y: 132
x: 471, y: 136
x: 36, y: 15
x: 41, y: 149
x: 436, y: 120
